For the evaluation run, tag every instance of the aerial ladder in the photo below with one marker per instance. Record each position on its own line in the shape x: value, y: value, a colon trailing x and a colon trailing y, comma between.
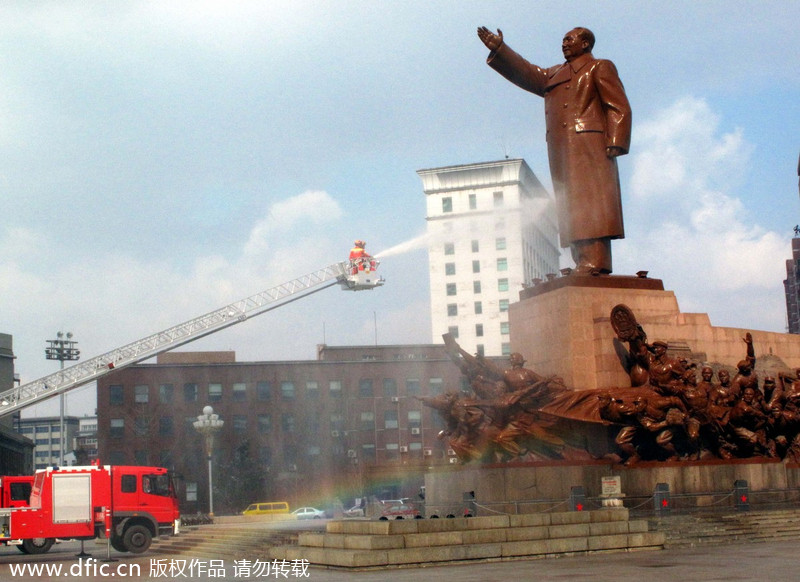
x: 347, y: 274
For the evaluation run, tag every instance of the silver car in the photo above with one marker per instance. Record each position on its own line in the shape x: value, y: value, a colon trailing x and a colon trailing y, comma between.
x: 308, y: 513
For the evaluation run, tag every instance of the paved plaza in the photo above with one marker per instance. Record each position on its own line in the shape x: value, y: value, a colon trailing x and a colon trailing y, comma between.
x: 776, y: 561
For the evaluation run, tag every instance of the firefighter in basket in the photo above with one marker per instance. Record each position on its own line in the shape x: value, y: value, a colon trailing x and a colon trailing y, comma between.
x: 360, y: 259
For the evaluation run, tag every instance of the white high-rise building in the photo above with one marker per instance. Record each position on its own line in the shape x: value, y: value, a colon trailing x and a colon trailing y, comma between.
x: 491, y: 230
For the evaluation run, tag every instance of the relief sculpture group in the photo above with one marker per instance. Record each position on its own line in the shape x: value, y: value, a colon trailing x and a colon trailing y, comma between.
x: 675, y: 409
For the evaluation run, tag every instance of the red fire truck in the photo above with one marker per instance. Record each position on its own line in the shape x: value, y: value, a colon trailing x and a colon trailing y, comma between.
x: 129, y: 505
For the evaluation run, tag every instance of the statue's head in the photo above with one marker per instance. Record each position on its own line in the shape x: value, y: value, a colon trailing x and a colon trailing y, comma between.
x: 577, y: 42
x: 707, y: 373
x: 724, y: 377
x: 516, y: 359
x: 639, y: 403
x: 744, y: 367
x: 660, y: 348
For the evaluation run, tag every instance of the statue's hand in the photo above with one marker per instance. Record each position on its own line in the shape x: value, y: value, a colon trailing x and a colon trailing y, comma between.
x: 490, y: 39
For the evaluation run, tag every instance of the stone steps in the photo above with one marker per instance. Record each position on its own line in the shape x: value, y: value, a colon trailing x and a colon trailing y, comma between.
x: 710, y: 529
x: 211, y: 541
x: 375, y: 544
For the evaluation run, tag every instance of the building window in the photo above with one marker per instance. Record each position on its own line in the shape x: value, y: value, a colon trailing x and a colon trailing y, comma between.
x: 287, y: 422
x: 473, y: 201
x: 412, y: 386
x: 337, y: 421
x: 239, y: 423
x: 390, y: 419
x: 367, y: 421
x: 475, y: 246
x: 452, y: 309
x: 476, y: 286
x: 502, y: 264
x: 365, y: 388
x: 479, y: 330
x: 389, y: 387
x: 392, y: 451
x: 506, y: 349
x: 447, y: 204
x: 449, y: 268
x: 504, y: 327
x: 335, y: 388
x: 214, y: 392
x: 263, y: 390
x: 240, y: 391
x: 312, y: 389
x: 141, y: 426
x: 368, y: 453
x: 479, y: 349
x: 453, y: 331
x: 449, y: 249
x: 437, y: 385
x: 476, y: 266
x: 500, y: 243
x: 141, y: 394
x: 116, y: 394
x: 503, y: 305
x: 188, y: 424
x: 264, y: 423
x: 265, y: 455
x: 165, y: 392
x: 290, y: 457
x: 478, y: 308
x: 117, y: 428
x: 414, y: 419
x: 498, y: 199
x: 165, y: 425
x: 502, y: 284
x: 116, y: 458
x: 287, y: 390
x: 451, y: 289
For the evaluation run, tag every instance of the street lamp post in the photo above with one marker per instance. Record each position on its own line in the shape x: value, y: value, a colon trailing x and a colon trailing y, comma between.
x: 62, y: 350
x: 208, y: 424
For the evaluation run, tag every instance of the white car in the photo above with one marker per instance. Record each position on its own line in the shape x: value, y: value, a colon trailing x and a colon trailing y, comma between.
x: 355, y: 511
x: 308, y: 513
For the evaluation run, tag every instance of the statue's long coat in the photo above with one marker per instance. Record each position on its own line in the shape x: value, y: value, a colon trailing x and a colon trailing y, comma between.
x: 586, y: 111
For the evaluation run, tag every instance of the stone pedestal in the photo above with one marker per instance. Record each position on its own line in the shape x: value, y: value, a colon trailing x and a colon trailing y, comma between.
x: 532, y: 487
x: 563, y: 327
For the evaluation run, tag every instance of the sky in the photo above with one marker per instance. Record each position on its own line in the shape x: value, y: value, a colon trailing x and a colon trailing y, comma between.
x: 159, y: 160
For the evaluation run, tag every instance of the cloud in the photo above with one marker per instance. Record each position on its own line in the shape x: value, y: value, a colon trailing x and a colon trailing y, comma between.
x: 687, y: 224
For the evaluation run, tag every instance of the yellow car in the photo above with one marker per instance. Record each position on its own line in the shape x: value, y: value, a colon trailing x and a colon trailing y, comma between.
x: 267, y: 508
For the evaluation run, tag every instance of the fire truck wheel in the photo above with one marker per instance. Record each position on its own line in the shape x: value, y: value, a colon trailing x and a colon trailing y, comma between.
x: 118, y: 544
x: 37, y: 545
x: 137, y: 539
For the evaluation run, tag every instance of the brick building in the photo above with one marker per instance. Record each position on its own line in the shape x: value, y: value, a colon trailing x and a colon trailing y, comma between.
x: 341, y: 426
